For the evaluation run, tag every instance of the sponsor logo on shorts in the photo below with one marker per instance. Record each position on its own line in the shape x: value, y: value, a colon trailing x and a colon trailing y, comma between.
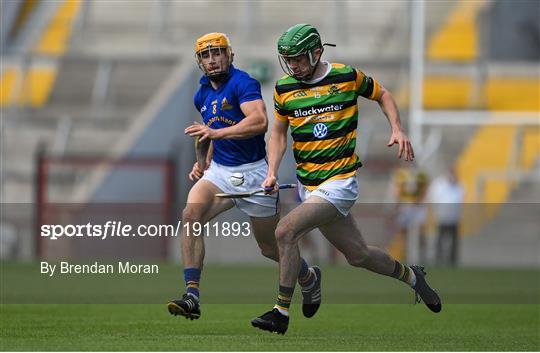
x: 323, y: 191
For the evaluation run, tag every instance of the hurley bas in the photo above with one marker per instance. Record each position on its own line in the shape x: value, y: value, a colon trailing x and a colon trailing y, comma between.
x: 96, y: 268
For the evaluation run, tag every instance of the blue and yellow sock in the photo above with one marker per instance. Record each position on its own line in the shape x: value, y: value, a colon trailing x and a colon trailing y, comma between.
x: 192, y: 277
x: 306, y: 277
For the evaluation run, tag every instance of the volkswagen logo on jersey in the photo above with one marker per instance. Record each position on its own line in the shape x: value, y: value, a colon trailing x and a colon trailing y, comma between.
x: 320, y: 130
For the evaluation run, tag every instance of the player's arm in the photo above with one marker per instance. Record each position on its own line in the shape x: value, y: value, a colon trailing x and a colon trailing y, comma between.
x: 277, y: 145
x: 389, y: 107
x: 369, y: 88
x: 254, y: 123
x: 203, y: 153
x: 203, y: 149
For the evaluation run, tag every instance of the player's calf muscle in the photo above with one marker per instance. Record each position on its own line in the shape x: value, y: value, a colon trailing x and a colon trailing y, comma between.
x: 289, y: 265
x: 192, y: 252
x: 358, y: 258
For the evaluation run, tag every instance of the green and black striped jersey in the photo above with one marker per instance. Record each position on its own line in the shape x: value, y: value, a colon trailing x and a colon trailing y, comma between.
x: 323, y: 118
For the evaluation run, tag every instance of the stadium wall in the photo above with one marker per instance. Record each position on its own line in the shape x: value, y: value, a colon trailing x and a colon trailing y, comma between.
x: 157, y: 131
x: 514, y: 30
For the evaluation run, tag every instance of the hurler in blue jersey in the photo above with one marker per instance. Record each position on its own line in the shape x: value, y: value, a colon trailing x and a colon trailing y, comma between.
x: 231, y: 158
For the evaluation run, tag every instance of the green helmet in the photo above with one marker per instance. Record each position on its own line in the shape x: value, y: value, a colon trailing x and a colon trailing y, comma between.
x: 299, y: 39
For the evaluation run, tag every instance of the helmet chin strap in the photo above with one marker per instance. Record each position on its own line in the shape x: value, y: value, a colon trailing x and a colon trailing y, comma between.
x: 314, y: 65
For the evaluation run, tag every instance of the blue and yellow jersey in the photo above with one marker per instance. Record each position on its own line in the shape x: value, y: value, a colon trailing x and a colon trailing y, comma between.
x: 221, y: 108
x: 323, y: 118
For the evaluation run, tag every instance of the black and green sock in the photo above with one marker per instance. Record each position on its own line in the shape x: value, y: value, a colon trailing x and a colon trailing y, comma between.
x: 284, y: 299
x: 404, y: 274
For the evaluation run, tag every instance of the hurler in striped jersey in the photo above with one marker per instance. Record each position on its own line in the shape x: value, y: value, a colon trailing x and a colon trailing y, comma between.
x: 317, y: 101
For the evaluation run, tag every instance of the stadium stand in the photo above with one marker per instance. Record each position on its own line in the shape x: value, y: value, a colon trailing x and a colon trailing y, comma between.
x: 93, y: 75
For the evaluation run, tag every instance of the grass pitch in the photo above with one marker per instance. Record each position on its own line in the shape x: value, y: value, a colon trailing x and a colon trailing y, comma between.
x: 225, y: 326
x: 337, y: 327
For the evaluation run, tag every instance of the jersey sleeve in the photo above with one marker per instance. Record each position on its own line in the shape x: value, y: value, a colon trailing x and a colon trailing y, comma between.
x: 197, y: 100
x: 279, y: 111
x: 248, y: 90
x: 366, y: 86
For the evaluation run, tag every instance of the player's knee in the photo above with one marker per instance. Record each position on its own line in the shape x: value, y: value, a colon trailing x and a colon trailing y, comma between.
x: 285, y: 233
x: 191, y: 215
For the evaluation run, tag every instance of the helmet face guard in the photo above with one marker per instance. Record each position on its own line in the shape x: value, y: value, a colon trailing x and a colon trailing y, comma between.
x: 311, y: 61
x: 213, y: 55
x: 209, y: 51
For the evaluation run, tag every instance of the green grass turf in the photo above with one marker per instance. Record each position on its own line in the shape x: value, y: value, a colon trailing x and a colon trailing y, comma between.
x: 485, y: 309
x: 337, y: 327
x: 22, y: 283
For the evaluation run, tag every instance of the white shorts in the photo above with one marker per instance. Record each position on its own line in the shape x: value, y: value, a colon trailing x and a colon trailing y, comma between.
x: 245, y: 177
x: 342, y: 193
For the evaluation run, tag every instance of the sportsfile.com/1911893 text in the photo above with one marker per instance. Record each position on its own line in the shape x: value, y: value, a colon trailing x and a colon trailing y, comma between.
x: 120, y: 229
